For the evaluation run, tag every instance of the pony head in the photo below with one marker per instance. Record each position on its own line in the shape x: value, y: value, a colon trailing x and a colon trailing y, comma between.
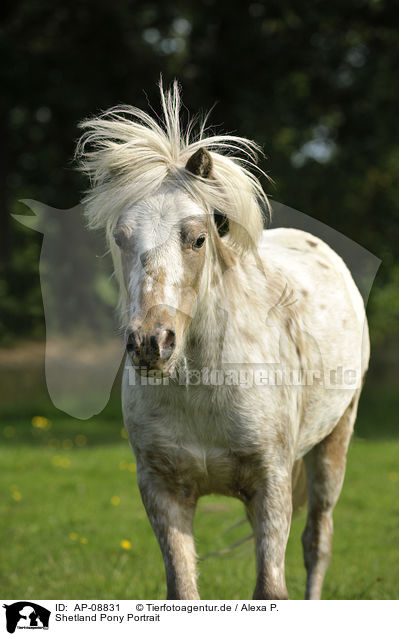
x: 160, y: 194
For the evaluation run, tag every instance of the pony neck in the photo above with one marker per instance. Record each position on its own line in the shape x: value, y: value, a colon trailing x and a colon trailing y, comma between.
x: 221, y: 291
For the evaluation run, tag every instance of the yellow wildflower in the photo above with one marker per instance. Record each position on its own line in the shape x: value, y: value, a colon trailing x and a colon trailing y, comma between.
x: 80, y: 440
x: 41, y: 422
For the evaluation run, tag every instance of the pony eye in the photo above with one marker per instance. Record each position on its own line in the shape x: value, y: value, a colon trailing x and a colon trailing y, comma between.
x: 120, y: 237
x: 199, y: 242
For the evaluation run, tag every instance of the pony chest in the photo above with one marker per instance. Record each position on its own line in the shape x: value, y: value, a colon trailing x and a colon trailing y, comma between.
x: 193, y: 446
x: 197, y: 458
x: 192, y: 470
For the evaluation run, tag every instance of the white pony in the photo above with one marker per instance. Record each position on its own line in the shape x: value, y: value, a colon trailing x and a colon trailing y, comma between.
x: 266, y: 328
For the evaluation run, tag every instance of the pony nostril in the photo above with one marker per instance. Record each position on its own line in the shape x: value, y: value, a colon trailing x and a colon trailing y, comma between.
x: 167, y: 342
x: 154, y: 347
x: 132, y: 342
x: 169, y: 339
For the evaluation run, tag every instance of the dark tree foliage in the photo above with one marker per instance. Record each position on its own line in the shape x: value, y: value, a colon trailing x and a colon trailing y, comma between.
x: 315, y: 83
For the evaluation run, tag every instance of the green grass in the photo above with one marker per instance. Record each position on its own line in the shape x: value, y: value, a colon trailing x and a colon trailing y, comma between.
x: 52, y: 498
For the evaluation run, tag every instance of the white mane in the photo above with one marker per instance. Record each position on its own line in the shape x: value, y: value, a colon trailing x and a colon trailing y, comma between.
x: 128, y: 156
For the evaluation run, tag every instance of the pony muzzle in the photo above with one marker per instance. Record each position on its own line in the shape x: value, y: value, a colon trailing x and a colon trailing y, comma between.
x: 151, y: 350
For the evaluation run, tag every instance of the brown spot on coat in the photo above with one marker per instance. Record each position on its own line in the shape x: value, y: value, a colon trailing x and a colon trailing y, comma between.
x: 311, y: 243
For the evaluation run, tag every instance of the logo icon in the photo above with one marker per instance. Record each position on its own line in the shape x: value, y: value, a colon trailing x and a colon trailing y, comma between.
x: 26, y: 615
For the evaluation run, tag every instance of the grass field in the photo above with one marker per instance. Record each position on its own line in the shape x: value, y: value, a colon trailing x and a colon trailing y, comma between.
x: 73, y: 525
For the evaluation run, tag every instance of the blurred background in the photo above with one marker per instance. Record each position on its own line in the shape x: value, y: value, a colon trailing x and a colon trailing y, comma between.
x: 317, y: 86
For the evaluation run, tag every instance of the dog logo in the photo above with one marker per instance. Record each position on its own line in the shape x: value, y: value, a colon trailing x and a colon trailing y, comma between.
x: 26, y: 615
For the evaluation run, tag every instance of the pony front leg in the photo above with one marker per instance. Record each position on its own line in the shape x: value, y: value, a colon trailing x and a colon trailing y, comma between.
x: 270, y: 512
x: 172, y: 521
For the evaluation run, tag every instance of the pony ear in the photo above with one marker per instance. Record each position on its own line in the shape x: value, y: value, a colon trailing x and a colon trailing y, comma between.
x: 200, y: 163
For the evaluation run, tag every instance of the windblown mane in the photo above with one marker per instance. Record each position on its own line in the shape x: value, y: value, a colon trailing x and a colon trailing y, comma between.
x: 128, y: 156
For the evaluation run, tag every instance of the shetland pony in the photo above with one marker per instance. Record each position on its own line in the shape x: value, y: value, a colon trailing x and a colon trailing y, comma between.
x: 247, y: 348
